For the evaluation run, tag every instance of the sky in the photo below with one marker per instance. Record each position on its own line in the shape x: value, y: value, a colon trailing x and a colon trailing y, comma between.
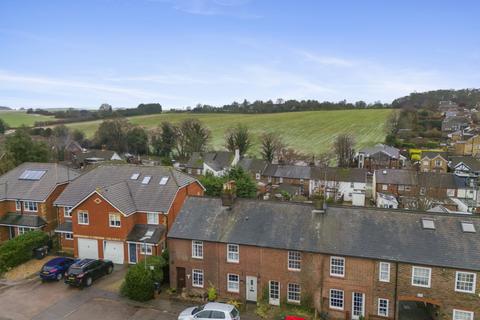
x: 82, y: 53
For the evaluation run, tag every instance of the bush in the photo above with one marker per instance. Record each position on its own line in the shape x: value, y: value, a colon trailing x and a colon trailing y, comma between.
x: 158, y: 263
x: 20, y: 249
x: 138, y: 284
x: 212, y: 293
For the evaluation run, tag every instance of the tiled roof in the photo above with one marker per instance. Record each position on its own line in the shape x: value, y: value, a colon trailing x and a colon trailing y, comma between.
x: 340, y: 174
x: 388, y: 150
x: 391, y: 235
x: 146, y: 232
x: 22, y: 220
x: 288, y: 171
x: 13, y: 187
x: 217, y: 160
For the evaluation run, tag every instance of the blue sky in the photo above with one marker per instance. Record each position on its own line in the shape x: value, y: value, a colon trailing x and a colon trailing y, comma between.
x: 183, y: 52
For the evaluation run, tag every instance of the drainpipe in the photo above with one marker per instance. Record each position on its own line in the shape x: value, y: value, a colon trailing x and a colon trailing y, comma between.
x: 395, y: 294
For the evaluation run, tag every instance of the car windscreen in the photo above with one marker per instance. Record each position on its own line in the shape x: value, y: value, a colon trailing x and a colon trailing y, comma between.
x: 48, y: 268
x: 198, y: 309
x: 75, y: 270
x: 234, y: 313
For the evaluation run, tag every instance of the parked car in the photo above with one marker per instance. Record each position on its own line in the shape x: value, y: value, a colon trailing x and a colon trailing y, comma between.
x: 212, y: 310
x: 84, y: 272
x: 55, y: 268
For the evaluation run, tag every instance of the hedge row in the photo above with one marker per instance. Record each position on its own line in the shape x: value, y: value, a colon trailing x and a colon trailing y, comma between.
x: 20, y: 249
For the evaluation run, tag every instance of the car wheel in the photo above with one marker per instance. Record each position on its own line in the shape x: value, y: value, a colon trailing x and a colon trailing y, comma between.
x: 88, y: 282
x: 109, y: 269
x: 59, y: 276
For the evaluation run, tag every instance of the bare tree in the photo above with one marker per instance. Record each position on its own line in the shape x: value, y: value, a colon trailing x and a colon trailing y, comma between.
x: 271, y: 146
x: 344, y: 150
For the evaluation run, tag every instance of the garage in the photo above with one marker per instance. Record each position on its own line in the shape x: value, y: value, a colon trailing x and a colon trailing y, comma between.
x: 113, y: 250
x: 87, y: 248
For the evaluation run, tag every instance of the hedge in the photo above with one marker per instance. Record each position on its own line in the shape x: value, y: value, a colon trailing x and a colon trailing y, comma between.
x: 20, y: 249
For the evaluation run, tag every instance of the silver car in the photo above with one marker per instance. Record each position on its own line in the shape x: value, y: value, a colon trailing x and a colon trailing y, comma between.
x: 212, y: 310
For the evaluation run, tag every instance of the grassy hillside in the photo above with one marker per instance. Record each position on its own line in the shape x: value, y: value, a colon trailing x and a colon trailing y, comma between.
x: 18, y: 118
x: 308, y: 132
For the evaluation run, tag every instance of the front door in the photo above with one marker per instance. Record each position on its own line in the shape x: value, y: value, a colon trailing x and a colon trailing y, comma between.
x: 274, y: 293
x: 12, y: 232
x: 132, y: 253
x: 358, y: 305
x: 251, y: 288
x: 180, y: 278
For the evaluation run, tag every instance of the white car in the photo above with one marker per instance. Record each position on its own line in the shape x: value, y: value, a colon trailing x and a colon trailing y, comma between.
x: 212, y: 310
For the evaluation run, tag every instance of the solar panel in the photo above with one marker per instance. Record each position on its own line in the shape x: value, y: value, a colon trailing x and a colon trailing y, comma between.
x: 32, y: 174
x: 468, y: 227
x: 163, y: 180
x: 135, y: 176
x: 146, y: 179
x: 428, y: 224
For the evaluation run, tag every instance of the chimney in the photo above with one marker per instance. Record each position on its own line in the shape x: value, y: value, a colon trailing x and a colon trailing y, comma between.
x: 229, y: 193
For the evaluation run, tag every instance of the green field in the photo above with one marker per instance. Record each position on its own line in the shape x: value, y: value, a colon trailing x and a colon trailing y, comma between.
x: 16, y: 119
x: 308, y: 132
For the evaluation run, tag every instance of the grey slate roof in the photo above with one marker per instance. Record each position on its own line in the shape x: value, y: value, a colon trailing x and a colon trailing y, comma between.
x: 396, y: 176
x: 140, y: 230
x: 433, y: 154
x: 388, y: 150
x: 114, y: 183
x: 23, y: 220
x: 12, y: 188
x: 424, y: 179
x: 340, y: 174
x: 392, y: 235
x: 65, y: 227
x: 106, y: 155
x: 253, y: 165
x: 288, y: 171
x: 472, y: 163
x: 217, y: 160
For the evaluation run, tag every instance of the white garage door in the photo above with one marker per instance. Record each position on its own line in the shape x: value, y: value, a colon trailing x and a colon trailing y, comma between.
x: 113, y: 250
x: 87, y: 248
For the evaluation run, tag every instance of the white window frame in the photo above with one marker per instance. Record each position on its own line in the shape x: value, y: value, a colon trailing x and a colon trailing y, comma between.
x: 23, y: 230
x: 146, y: 249
x: 257, y: 176
x: 67, y: 212
x: 456, y: 311
x: 68, y: 236
x: 197, y: 278
x: 474, y: 281
x: 233, y: 285
x: 30, y: 206
x: 414, y: 268
x: 233, y: 256
x: 380, y: 308
x: 293, y: 289
x: 337, y: 266
x: 153, y: 218
x: 294, y: 260
x: 384, y: 275
x: 197, y: 249
x: 384, y: 187
x: 337, y: 299
x: 114, y: 220
x: 18, y: 205
x: 81, y: 215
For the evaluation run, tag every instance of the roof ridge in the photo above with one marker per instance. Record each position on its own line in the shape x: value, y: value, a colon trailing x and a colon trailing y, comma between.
x: 173, y: 176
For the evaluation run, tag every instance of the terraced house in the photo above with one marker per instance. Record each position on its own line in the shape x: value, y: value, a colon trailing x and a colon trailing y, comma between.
x: 27, y: 195
x: 345, y: 261
x: 122, y: 212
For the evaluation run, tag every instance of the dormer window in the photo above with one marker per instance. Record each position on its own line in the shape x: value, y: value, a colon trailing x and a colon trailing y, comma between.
x: 146, y: 179
x: 163, y: 181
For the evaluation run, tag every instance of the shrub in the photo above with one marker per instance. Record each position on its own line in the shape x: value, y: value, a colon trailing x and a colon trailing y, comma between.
x: 212, y: 293
x: 138, y: 284
x: 20, y: 249
x: 158, y: 263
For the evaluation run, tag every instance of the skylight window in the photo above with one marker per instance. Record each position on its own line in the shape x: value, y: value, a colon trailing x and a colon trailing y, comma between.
x: 468, y: 227
x: 428, y: 224
x: 149, y: 233
x: 135, y: 176
x: 163, y: 181
x: 32, y: 174
x: 146, y: 179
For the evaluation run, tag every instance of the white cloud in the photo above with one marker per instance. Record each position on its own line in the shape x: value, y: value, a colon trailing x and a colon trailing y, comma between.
x: 326, y: 60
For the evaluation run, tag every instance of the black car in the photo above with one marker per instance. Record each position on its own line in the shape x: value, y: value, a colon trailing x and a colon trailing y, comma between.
x: 84, y: 272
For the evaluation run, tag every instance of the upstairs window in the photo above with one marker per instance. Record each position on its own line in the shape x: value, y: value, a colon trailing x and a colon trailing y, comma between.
x: 465, y: 282
x: 114, y: 220
x: 83, y: 218
x: 294, y: 260
x: 384, y: 272
x: 233, y: 253
x: 337, y: 266
x: 18, y: 205
x: 30, y: 206
x: 67, y: 212
x: 421, y: 277
x: 152, y: 218
x: 197, y: 249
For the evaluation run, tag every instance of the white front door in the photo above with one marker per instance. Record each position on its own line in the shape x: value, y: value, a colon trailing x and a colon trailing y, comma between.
x: 113, y: 251
x: 251, y: 288
x: 274, y: 293
x: 87, y: 248
x: 358, y: 305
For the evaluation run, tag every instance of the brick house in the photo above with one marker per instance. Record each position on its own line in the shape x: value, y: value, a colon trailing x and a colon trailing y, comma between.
x: 380, y: 156
x: 346, y: 261
x: 122, y: 212
x: 434, y: 162
x: 27, y: 195
x: 288, y: 174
